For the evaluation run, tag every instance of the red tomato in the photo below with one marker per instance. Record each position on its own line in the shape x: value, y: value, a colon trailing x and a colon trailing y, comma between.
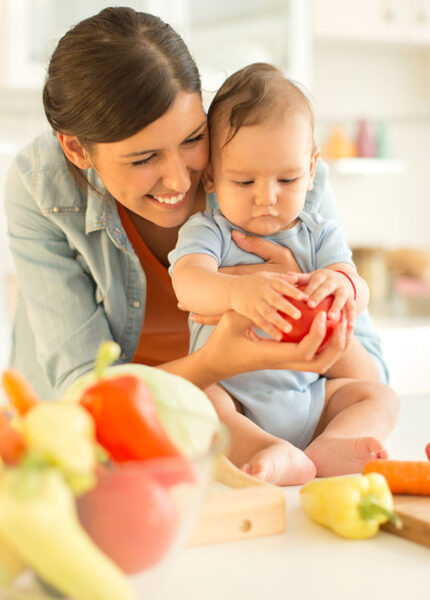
x: 301, y: 326
x: 168, y: 472
x: 130, y: 517
x: 428, y: 451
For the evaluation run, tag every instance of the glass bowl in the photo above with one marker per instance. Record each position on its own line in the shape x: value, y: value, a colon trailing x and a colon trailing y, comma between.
x: 140, y: 514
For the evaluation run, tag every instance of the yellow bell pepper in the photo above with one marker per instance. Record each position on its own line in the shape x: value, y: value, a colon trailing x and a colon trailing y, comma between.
x: 63, y: 435
x: 353, y: 506
x: 38, y: 519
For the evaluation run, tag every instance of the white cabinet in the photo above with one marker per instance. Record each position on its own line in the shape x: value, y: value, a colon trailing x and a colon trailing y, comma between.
x: 400, y: 21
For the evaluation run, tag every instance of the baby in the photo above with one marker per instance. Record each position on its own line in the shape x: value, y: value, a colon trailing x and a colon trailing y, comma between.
x: 286, y: 426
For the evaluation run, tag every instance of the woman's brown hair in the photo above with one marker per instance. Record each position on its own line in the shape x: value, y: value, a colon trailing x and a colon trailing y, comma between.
x: 113, y: 74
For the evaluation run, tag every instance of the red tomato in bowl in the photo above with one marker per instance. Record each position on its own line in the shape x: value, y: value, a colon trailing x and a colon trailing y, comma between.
x: 301, y: 326
x: 130, y: 517
x: 428, y: 451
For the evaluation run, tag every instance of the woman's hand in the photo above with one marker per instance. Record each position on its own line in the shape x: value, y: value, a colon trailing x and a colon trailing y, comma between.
x: 277, y: 259
x: 233, y: 348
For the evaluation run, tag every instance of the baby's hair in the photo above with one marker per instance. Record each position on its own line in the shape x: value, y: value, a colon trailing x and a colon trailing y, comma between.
x: 251, y: 96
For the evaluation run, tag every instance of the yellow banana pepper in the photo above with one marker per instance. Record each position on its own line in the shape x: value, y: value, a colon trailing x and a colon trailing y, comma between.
x: 11, y: 564
x: 353, y: 506
x: 38, y: 519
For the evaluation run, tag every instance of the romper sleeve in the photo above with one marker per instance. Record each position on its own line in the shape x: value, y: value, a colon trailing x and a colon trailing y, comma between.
x: 57, y: 296
x: 199, y: 235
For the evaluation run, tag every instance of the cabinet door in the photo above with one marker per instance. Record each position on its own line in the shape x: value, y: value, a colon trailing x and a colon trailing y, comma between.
x: 382, y: 20
x: 420, y: 21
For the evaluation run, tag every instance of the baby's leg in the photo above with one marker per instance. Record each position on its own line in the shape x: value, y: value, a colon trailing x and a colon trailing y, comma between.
x: 257, y: 452
x: 357, y: 417
x: 355, y: 363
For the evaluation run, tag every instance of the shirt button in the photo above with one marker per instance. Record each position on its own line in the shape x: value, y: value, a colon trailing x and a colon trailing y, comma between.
x: 77, y: 209
x: 135, y: 304
x: 55, y: 209
x: 117, y: 231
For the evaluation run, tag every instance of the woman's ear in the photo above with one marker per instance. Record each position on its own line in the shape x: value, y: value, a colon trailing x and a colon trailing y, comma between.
x: 74, y: 150
x: 315, y: 155
x: 208, y: 179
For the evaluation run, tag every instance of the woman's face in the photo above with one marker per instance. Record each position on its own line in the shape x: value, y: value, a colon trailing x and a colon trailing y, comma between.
x: 155, y: 173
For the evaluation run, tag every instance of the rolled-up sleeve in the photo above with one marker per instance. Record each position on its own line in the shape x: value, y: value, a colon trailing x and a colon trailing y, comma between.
x: 58, y: 296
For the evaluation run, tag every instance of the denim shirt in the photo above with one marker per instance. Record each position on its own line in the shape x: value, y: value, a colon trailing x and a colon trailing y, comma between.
x: 80, y: 281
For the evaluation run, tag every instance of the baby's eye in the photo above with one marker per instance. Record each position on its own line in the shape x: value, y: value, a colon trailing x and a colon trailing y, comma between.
x: 245, y: 183
x: 286, y: 180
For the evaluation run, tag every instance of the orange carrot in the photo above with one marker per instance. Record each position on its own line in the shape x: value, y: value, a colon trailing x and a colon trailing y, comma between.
x: 403, y: 476
x: 20, y: 393
x: 12, y: 445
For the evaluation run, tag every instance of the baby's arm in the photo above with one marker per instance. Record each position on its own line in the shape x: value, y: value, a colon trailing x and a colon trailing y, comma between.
x: 201, y: 288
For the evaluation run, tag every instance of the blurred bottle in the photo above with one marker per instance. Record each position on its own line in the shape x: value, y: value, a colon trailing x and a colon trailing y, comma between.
x: 366, y: 143
x: 338, y: 145
x: 382, y: 140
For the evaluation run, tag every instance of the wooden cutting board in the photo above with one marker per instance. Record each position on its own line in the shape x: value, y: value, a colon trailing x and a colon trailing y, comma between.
x: 247, y: 508
x: 415, y: 514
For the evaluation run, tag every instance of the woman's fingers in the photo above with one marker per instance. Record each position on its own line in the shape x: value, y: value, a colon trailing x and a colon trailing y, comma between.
x: 270, y: 251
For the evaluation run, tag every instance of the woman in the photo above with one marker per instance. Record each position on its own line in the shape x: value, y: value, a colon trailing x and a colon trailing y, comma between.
x: 94, y: 210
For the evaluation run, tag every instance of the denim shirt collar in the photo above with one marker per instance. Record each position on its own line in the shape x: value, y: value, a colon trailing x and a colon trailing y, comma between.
x: 102, y: 213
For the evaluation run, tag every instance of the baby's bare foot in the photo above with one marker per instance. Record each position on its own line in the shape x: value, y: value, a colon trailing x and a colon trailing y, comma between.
x: 281, y: 464
x: 340, y: 456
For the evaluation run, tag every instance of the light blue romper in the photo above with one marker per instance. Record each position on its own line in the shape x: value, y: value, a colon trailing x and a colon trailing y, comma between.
x: 287, y: 404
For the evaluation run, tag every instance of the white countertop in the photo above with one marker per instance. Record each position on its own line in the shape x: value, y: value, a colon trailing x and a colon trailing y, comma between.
x: 309, y: 561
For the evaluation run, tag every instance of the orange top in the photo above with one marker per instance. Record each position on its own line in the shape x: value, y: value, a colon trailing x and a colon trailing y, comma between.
x: 164, y: 335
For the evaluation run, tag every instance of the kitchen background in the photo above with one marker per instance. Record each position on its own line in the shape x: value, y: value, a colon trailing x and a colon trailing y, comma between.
x: 367, y: 66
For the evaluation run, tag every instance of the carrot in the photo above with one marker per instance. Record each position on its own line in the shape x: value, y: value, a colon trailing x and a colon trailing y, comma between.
x: 403, y: 476
x: 12, y: 445
x: 20, y: 393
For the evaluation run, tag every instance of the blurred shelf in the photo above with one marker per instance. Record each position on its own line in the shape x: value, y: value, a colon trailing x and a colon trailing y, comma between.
x: 368, y: 166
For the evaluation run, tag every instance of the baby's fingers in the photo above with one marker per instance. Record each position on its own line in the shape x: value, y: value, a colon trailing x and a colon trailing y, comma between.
x: 284, y: 287
x: 339, y: 303
x: 270, y: 321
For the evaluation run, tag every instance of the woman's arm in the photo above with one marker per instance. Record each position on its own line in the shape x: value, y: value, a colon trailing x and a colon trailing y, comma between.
x: 231, y: 350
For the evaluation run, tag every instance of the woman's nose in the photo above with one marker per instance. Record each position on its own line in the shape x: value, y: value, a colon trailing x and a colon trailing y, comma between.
x: 176, y: 175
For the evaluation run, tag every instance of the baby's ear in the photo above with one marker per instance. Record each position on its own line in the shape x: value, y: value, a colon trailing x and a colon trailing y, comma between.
x: 315, y: 155
x: 208, y: 179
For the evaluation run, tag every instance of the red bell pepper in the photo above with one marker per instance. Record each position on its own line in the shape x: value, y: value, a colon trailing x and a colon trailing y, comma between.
x: 125, y: 415
x: 126, y: 420
x: 428, y: 451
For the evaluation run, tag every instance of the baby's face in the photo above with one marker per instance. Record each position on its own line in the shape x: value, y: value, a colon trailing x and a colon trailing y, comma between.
x: 261, y: 177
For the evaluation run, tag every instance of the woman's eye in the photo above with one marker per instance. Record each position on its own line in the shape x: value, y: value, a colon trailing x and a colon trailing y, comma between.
x: 195, y: 139
x: 143, y: 161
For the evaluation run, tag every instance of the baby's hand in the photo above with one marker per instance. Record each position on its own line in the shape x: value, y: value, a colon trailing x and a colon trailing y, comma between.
x: 259, y: 296
x: 326, y: 282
